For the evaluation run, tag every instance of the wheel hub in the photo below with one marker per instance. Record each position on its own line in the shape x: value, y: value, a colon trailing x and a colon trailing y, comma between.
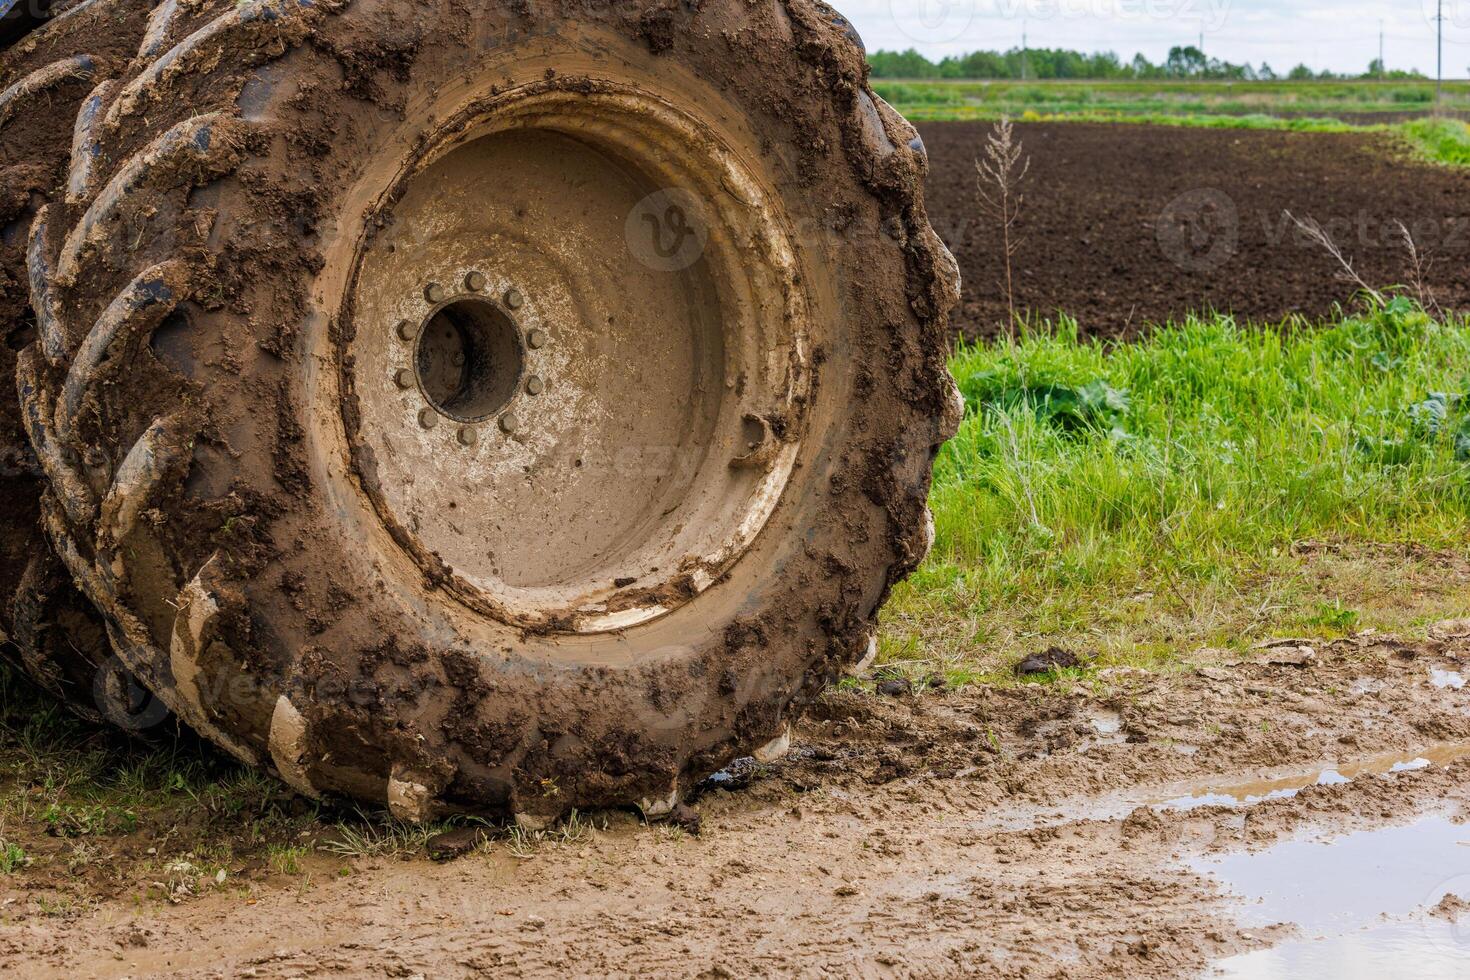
x: 469, y: 358
x: 579, y: 360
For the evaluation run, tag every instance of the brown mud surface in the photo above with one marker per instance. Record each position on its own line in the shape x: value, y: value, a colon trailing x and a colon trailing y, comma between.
x: 1072, y: 829
x: 1123, y: 226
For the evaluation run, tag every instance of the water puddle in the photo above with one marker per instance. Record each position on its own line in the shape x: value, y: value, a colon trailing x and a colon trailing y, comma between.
x: 1106, y: 728
x: 1285, y: 787
x: 1192, y: 795
x: 1428, y: 951
x: 1360, y: 901
x: 1446, y: 679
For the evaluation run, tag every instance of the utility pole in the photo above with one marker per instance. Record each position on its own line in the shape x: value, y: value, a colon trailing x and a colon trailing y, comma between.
x: 1439, y: 73
x: 1382, y: 68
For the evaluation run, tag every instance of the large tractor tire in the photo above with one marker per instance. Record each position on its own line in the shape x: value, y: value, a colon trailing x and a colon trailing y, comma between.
x: 46, y: 75
x: 500, y: 407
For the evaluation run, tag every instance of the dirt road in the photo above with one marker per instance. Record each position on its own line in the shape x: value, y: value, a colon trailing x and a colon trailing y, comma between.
x: 1106, y: 829
x: 1127, y: 225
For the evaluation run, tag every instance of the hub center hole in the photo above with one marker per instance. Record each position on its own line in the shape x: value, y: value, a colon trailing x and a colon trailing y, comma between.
x: 469, y: 359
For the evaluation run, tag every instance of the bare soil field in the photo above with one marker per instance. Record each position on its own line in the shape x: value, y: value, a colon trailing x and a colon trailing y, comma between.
x: 1133, y: 825
x: 1126, y: 225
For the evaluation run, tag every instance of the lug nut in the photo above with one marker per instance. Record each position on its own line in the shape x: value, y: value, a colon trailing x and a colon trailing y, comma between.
x: 508, y: 423
x: 403, y: 378
x: 534, y: 385
x: 474, y: 282
x: 428, y: 418
x: 405, y: 330
x: 434, y: 293
x: 536, y: 339
x: 514, y: 299
x: 467, y: 435
x: 457, y: 360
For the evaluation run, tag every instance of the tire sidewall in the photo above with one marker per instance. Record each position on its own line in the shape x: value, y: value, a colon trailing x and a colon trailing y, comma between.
x: 389, y: 673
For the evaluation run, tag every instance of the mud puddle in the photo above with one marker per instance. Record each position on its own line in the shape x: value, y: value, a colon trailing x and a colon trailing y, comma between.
x: 1285, y: 787
x: 1362, y: 903
x: 1218, y: 791
x: 1446, y: 679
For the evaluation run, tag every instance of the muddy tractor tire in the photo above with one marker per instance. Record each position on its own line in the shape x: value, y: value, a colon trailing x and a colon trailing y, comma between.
x: 499, y: 407
x: 47, y: 627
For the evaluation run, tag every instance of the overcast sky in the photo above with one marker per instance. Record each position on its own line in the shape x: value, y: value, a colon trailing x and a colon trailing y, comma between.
x: 1341, y: 35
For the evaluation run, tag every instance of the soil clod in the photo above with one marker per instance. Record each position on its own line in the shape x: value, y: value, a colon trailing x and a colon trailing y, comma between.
x: 456, y: 843
x: 686, y: 819
x: 895, y: 687
x: 1054, y: 658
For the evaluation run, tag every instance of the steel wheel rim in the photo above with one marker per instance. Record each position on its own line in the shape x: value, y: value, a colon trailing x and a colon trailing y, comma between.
x: 729, y: 367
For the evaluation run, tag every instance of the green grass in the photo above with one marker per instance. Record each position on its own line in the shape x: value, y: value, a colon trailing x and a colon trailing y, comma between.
x: 1304, y: 124
x: 1444, y: 141
x: 286, y: 859
x: 1092, y: 99
x: 1147, y: 499
x: 1306, y: 107
x: 83, y: 807
x: 12, y: 857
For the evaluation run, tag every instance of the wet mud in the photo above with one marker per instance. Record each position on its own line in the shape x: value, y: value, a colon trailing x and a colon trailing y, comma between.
x: 1234, y: 817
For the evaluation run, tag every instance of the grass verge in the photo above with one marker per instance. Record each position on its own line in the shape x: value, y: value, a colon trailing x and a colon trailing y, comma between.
x: 1360, y: 99
x: 1445, y: 141
x: 1207, y: 485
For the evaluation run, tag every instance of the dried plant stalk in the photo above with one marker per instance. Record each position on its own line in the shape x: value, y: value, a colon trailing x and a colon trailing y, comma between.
x: 998, y: 177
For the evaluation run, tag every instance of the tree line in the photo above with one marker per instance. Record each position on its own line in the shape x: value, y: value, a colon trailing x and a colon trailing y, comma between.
x: 1183, y: 62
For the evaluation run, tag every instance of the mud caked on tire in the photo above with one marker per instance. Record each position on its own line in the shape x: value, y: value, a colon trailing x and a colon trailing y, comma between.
x: 500, y: 407
x: 45, y: 78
